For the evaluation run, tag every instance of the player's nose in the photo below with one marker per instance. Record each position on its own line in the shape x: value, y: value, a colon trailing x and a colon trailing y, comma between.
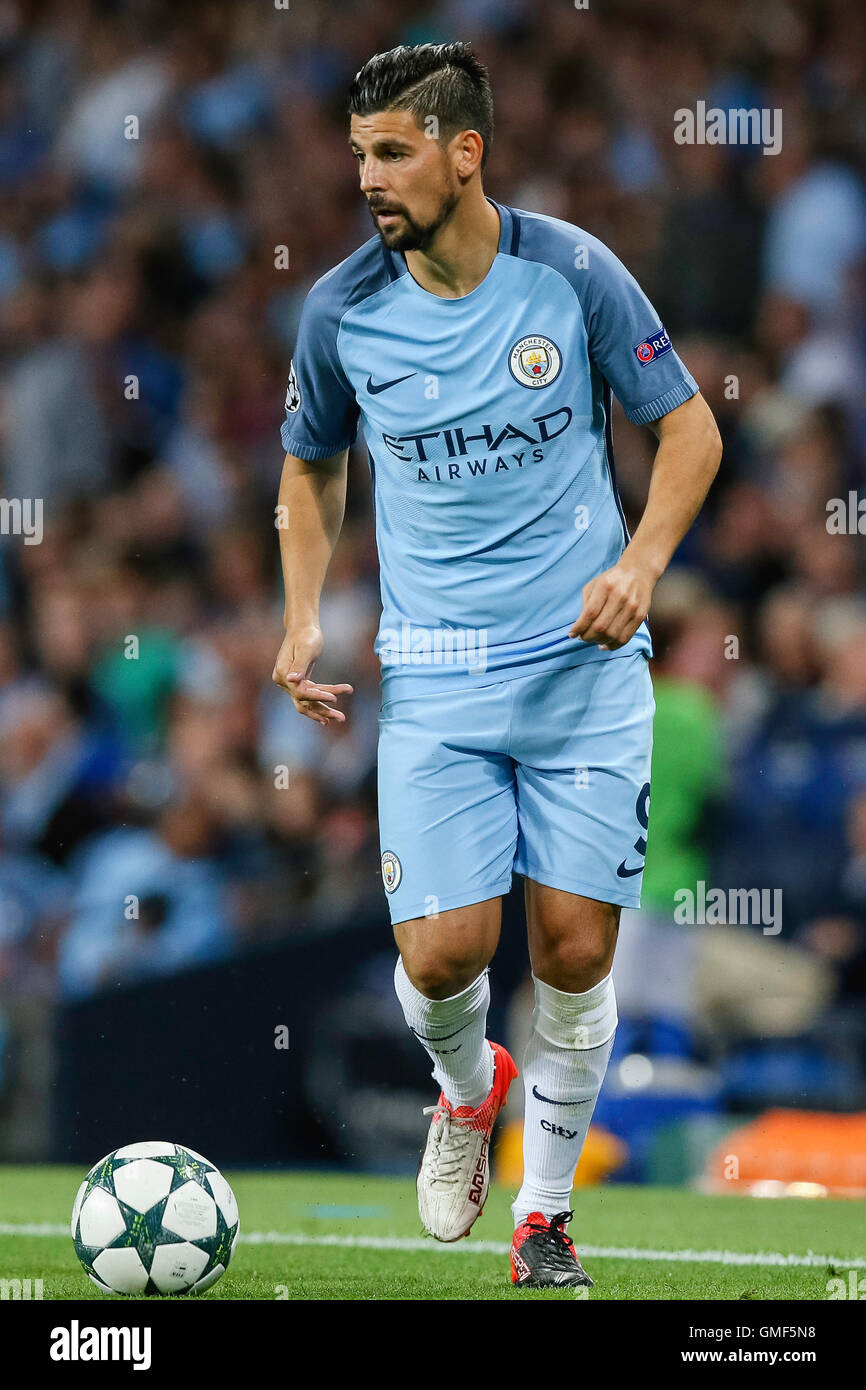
x: 371, y: 175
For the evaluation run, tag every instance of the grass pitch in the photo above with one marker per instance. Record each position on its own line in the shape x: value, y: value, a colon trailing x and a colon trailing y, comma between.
x: 326, y: 1236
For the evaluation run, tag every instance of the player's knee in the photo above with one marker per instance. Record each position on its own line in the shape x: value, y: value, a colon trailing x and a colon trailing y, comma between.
x: 575, y: 966
x: 441, y: 974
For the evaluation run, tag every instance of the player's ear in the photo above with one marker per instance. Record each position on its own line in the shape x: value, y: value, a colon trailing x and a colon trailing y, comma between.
x: 469, y: 147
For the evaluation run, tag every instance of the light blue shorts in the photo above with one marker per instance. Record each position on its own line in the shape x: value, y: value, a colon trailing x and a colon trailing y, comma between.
x: 545, y: 774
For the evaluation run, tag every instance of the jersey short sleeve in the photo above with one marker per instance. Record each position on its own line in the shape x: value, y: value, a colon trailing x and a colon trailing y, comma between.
x: 321, y: 409
x: 627, y: 339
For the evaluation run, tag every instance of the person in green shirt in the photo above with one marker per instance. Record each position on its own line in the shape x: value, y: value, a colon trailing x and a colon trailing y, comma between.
x: 656, y: 958
x: 686, y: 777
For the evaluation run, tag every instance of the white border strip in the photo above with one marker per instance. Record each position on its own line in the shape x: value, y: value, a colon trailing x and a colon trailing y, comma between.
x: 498, y: 1247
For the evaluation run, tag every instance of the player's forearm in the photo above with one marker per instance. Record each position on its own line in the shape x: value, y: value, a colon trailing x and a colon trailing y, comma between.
x: 312, y: 501
x: 686, y: 462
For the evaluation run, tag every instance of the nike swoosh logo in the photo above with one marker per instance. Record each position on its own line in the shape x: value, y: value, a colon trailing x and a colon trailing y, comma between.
x: 623, y: 872
x: 548, y: 1101
x: 386, y: 385
x: 422, y: 1037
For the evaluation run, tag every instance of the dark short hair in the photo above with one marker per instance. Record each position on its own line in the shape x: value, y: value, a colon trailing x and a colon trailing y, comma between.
x: 444, y: 80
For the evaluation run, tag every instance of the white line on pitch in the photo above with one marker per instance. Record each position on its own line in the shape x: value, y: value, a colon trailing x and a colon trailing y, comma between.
x: 498, y: 1247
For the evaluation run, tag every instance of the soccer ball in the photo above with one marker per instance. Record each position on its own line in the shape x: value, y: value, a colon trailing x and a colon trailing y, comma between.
x: 154, y: 1218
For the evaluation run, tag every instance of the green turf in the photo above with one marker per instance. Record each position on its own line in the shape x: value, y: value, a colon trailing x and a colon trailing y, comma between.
x: 623, y: 1217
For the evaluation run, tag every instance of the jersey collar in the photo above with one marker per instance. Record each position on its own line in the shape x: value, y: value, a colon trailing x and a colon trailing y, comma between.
x: 509, y: 229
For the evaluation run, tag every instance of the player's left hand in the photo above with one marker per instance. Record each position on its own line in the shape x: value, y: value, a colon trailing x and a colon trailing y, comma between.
x: 615, y: 604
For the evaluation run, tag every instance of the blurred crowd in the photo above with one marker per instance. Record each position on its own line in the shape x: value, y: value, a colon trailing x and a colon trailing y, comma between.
x: 172, y: 180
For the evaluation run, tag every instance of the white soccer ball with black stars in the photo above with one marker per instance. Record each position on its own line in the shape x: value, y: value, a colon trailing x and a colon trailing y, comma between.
x: 154, y: 1218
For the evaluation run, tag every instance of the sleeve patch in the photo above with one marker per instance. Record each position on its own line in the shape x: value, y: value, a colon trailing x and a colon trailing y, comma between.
x: 656, y: 345
x: 293, y: 393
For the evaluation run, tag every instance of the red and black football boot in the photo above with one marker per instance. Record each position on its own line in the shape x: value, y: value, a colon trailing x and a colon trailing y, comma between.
x: 543, y: 1256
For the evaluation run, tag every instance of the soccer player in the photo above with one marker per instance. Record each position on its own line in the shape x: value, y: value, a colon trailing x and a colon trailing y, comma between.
x: 479, y: 346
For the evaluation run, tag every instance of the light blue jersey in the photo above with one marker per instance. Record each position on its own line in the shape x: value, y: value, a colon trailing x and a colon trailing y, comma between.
x: 487, y: 421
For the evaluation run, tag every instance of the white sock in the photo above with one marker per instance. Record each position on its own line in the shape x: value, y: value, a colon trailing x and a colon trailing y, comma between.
x: 563, y: 1068
x: 452, y: 1033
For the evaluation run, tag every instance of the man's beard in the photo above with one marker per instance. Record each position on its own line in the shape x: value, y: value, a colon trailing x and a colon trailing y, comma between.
x: 409, y: 235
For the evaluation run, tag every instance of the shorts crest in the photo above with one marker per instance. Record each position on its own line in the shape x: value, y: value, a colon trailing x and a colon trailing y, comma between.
x: 392, y: 871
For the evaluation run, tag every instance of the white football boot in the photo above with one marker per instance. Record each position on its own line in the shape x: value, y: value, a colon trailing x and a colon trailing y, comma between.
x: 455, y: 1169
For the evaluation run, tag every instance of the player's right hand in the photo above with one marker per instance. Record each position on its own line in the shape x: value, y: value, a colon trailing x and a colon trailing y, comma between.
x: 293, y: 670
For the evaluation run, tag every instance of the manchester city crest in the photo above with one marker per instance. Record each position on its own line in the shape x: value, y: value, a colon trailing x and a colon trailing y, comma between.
x: 535, y: 361
x: 392, y: 871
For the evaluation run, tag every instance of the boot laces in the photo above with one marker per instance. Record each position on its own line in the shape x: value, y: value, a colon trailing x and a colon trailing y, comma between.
x: 451, y: 1138
x: 553, y: 1232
